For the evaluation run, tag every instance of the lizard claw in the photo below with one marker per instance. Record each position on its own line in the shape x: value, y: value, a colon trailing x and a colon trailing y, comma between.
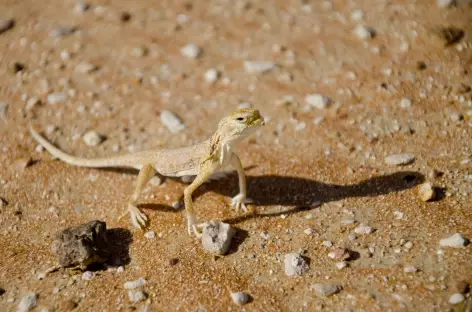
x: 193, y: 227
x: 238, y: 202
x: 138, y: 219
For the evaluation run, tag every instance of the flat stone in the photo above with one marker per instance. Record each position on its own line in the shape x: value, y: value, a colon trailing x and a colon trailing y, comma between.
x: 85, y: 68
x: 258, y: 66
x: 363, y: 229
x: 295, y: 264
x: 171, y: 121
x: 318, y: 101
x: 140, y: 282
x: 456, y: 298
x: 61, y: 32
x: 82, y: 245
x: 217, y: 237
x: 326, y: 290
x: 455, y: 241
x: 400, y: 159
x: 57, y: 98
x: 240, y: 297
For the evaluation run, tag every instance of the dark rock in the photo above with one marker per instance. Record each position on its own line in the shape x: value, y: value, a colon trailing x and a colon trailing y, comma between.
x: 82, y: 245
x: 450, y: 35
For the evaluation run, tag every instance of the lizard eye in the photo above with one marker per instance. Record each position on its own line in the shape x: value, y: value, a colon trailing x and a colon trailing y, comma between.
x: 240, y: 119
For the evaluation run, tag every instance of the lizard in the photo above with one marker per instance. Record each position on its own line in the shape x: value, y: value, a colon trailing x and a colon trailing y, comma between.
x: 201, y: 160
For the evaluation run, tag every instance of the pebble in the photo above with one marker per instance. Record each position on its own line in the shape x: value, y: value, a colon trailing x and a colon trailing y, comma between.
x: 135, y: 284
x: 61, y: 32
x: 357, y: 15
x: 57, y: 98
x: 363, y: 229
x: 136, y: 296
x: 28, y: 302
x: 81, y: 7
x: 406, y: 103
x: 339, y: 254
x: 456, y: 298
x: 3, y: 111
x: 326, y: 290
x: 327, y: 243
x: 92, y: 138
x: 240, y: 297
x: 211, y: 75
x: 171, y: 121
x: 191, y: 51
x: 400, y: 159
x: 295, y: 264
x: 426, y: 192
x: 408, y: 245
x: 6, y: 24
x: 409, y: 269
x: 217, y: 237
x: 32, y: 103
x: 341, y: 265
x: 140, y: 51
x: 85, y: 68
x: 87, y: 276
x: 150, y: 235
x: 455, y: 241
x: 318, y: 101
x: 444, y: 4
x: 398, y: 215
x: 258, y: 66
x: 364, y: 32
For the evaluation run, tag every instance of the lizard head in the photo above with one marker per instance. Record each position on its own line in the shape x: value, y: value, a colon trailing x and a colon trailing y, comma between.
x: 240, y: 124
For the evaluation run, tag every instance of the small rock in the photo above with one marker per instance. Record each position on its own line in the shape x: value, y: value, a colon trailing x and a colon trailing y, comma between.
x: 339, y: 254
x: 406, y: 103
x: 318, y: 100
x: 150, y: 235
x: 450, y: 35
x: 217, y: 237
x: 444, y: 4
x: 456, y: 241
x: 17, y: 67
x: 57, y: 98
x: 87, y: 276
x: 155, y: 181
x: 326, y: 290
x: 3, y: 111
x: 22, y: 163
x: 400, y: 159
x: 32, y: 103
x: 211, y: 75
x: 455, y: 116
x: 341, y: 265
x: 28, y: 302
x: 364, y: 32
x: 408, y: 245
x: 295, y: 264
x: 191, y: 51
x: 240, y: 297
x: 398, y: 215
x: 171, y: 121
x: 258, y: 66
x: 82, y: 245
x: 357, y: 15
x: 81, y: 7
x: 140, y: 282
x: 85, y: 68
x: 125, y: 17
x: 327, y: 243
x: 140, y: 51
x: 409, y: 269
x: 136, y: 296
x: 61, y: 32
x: 363, y: 229
x: 426, y: 192
x: 93, y: 138
x: 456, y: 298
x: 173, y: 261
x: 6, y: 24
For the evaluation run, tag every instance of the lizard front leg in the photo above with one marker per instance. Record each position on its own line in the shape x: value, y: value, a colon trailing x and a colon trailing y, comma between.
x: 206, y: 170
x: 139, y: 219
x: 239, y: 200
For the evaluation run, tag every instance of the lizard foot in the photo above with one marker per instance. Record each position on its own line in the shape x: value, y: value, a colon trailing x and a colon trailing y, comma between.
x: 193, y: 227
x: 239, y: 201
x: 138, y: 219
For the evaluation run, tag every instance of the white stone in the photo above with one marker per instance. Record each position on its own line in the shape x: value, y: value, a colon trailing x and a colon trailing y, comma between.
x: 85, y: 68
x: 341, y: 265
x: 211, y: 75
x: 240, y: 297
x: 32, y: 102
x: 318, y: 101
x: 357, y: 15
x: 28, y: 302
x: 326, y: 290
x: 456, y: 298
x: 150, y: 235
x: 363, y: 229
x: 171, y: 121
x: 258, y: 66
x: 135, y: 284
x: 295, y: 264
x: 136, y: 296
x: 191, y: 51
x: 57, y: 98
x: 409, y: 269
x: 92, y: 138
x: 444, y: 4
x: 155, y: 181
x: 327, y: 243
x: 406, y: 102
x: 400, y: 159
x: 217, y: 237
x: 87, y: 276
x: 455, y: 241
x: 364, y: 32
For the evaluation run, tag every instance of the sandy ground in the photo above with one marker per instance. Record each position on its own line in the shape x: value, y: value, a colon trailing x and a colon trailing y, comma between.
x: 310, y: 170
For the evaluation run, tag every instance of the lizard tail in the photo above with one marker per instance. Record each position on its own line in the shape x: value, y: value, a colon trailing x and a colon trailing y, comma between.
x: 119, y: 161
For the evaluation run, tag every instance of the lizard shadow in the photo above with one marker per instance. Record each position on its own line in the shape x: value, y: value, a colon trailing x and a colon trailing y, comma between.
x: 305, y: 194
